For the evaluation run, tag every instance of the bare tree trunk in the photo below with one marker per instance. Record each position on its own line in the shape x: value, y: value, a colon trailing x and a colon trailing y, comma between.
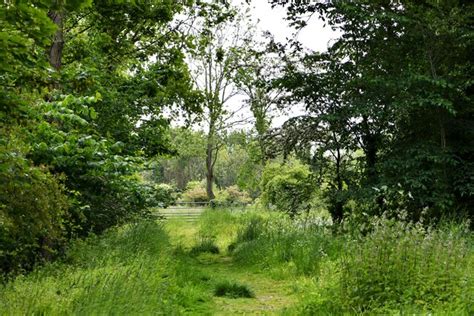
x: 210, y: 156
x: 210, y: 168
x: 56, y: 50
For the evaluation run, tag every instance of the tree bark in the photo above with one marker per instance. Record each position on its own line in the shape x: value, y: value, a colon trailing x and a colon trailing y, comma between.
x: 56, y: 50
x: 210, y: 169
x: 210, y: 157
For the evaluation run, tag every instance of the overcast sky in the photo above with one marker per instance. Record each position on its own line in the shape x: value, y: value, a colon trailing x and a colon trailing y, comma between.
x: 314, y: 36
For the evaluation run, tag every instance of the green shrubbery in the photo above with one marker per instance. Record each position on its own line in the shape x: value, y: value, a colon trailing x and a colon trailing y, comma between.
x: 33, y: 209
x: 195, y: 192
x: 388, y: 266
x: 164, y: 195
x: 232, y: 196
x: 67, y: 183
x: 287, y: 187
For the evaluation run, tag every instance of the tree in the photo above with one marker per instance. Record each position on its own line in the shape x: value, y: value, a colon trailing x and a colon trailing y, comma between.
x: 399, y: 75
x: 77, y: 136
x: 255, y: 79
x: 222, y: 43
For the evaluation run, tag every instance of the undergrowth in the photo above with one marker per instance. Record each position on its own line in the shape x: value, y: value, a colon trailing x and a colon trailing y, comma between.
x: 129, y: 270
x: 389, y: 267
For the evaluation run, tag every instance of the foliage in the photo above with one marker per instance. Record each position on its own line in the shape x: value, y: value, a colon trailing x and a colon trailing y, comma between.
x: 287, y: 187
x: 65, y: 140
x: 164, y: 194
x: 187, y: 162
x: 396, y: 85
x: 195, y: 192
x: 232, y: 196
x: 83, y: 134
x: 33, y: 208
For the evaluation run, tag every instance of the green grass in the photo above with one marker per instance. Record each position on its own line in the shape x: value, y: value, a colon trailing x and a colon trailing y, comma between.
x: 276, y: 265
x: 233, y: 290
x: 205, y: 245
x: 395, y: 268
x: 127, y: 271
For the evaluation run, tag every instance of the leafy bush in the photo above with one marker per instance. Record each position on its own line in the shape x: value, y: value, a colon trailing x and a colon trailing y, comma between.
x: 195, y: 192
x: 232, y: 196
x: 105, y: 191
x: 232, y: 290
x: 287, y: 187
x: 164, y: 195
x: 33, y: 209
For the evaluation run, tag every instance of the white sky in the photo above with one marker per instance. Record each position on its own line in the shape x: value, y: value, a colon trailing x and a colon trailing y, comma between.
x: 315, y: 36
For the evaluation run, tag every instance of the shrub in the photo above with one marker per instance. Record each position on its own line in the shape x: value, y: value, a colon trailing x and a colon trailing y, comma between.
x: 33, y: 210
x: 164, y: 195
x: 287, y: 187
x: 232, y: 290
x: 195, y: 192
x: 232, y: 196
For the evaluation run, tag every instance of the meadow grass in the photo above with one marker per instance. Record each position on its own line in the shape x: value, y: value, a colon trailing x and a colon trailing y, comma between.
x: 395, y: 267
x: 295, y: 267
x: 129, y: 270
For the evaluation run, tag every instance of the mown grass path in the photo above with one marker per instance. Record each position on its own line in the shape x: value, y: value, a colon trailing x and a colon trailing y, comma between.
x: 272, y: 296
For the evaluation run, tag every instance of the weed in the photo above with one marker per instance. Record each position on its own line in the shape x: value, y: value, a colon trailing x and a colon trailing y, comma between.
x: 205, y: 245
x: 232, y: 290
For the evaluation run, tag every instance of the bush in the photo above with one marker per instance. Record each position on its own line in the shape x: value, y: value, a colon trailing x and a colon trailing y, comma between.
x: 164, y: 195
x: 33, y: 210
x: 287, y: 188
x: 232, y: 196
x: 195, y: 192
x: 105, y: 190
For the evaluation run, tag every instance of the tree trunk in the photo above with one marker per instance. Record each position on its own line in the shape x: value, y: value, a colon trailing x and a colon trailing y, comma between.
x: 56, y: 50
x: 338, y: 214
x: 370, y: 150
x: 210, y: 169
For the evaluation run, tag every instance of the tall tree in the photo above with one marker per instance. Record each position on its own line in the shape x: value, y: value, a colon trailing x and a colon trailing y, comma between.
x: 223, y: 41
x: 400, y: 76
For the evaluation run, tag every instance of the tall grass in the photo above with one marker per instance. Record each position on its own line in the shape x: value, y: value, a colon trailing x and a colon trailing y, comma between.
x: 130, y: 270
x: 406, y: 265
x: 395, y: 267
x: 300, y: 245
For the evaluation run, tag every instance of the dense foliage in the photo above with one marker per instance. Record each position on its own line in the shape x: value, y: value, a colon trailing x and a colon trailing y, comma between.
x: 75, y: 90
x: 397, y: 86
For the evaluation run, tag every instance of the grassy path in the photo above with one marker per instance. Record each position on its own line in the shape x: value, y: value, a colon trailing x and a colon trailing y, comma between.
x: 271, y: 295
